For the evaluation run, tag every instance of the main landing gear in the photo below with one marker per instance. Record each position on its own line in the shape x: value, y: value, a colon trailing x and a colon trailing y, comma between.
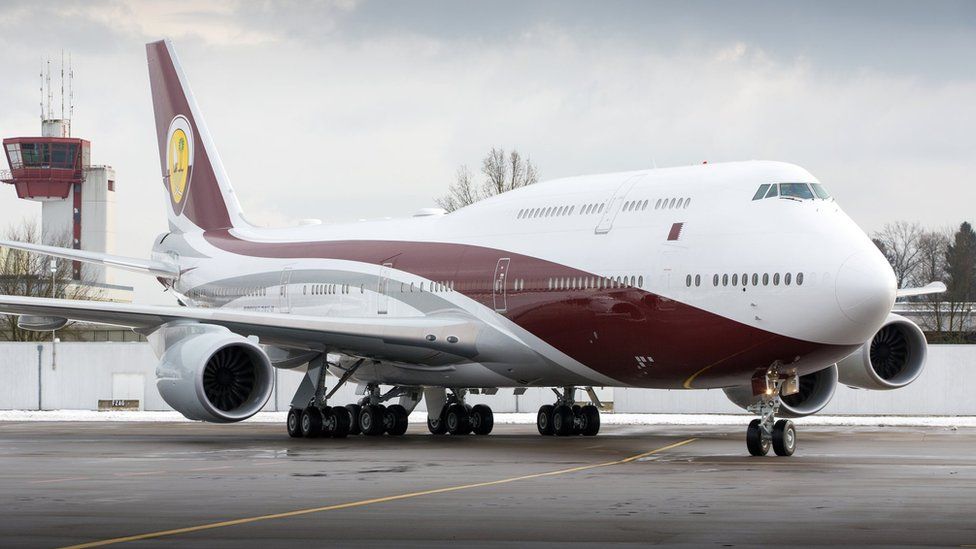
x: 458, y: 418
x: 767, y: 431
x: 310, y: 417
x: 566, y: 418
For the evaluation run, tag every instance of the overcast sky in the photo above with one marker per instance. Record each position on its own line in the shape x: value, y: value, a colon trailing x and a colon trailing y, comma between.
x: 346, y: 110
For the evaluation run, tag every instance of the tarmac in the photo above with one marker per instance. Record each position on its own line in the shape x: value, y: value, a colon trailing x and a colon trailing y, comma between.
x: 249, y: 485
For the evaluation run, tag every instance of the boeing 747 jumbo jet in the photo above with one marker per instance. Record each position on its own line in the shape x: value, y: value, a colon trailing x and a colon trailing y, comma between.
x: 744, y: 276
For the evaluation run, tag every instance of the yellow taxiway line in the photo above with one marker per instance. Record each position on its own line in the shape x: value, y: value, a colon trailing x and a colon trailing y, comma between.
x: 361, y: 503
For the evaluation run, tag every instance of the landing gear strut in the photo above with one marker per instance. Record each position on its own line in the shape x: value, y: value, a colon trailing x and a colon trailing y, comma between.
x: 566, y: 418
x: 767, y: 431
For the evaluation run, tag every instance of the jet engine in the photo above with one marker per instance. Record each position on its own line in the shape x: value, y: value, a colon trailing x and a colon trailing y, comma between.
x: 815, y: 392
x: 893, y: 358
x: 212, y: 374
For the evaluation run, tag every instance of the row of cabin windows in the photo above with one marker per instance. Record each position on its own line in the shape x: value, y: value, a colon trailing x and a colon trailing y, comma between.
x: 434, y: 287
x: 228, y: 292
x: 746, y: 279
x: 597, y: 208
x: 560, y: 283
x: 327, y: 289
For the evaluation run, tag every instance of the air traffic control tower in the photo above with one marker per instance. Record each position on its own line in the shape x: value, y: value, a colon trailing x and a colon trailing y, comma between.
x: 77, y: 198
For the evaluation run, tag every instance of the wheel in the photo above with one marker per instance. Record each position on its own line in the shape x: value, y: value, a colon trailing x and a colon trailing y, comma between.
x: 329, y: 422
x: 482, y: 419
x: 784, y: 438
x: 543, y: 420
x: 311, y: 422
x: 438, y: 425
x: 754, y: 440
x: 591, y: 421
x: 563, y: 422
x: 399, y: 421
x: 343, y: 422
x: 458, y: 420
x: 294, y: 423
x: 354, y: 411
x: 371, y: 420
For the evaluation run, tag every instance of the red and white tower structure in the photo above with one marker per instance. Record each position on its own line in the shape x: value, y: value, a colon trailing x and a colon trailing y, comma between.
x: 77, y: 198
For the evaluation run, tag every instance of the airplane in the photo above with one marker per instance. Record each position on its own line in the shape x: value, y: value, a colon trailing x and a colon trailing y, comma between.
x: 743, y: 276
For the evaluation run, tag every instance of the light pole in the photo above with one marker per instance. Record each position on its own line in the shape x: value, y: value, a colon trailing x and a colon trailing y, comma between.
x: 54, y: 340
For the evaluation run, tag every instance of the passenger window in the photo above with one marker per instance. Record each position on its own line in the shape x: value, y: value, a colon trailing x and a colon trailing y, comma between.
x: 799, y: 279
x: 761, y: 193
x: 765, y: 279
x: 725, y: 280
x: 671, y: 205
x: 640, y: 279
x: 755, y: 279
x: 657, y: 205
x: 795, y: 190
x: 787, y: 278
x: 688, y: 281
x: 735, y: 279
x: 775, y: 279
x: 715, y: 280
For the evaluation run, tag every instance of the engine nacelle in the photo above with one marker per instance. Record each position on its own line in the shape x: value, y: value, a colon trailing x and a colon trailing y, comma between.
x: 212, y: 374
x: 815, y: 392
x: 893, y: 358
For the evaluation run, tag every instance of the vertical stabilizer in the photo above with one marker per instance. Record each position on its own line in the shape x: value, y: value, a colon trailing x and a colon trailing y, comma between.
x: 200, y: 196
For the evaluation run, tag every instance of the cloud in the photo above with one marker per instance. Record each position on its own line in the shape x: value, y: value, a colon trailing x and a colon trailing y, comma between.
x: 347, y: 111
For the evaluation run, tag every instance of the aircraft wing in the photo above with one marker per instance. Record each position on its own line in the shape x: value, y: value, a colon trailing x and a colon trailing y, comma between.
x: 419, y: 340
x: 930, y: 288
x: 155, y: 268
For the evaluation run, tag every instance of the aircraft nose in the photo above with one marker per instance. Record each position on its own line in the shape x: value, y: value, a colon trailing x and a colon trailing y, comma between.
x: 865, y: 288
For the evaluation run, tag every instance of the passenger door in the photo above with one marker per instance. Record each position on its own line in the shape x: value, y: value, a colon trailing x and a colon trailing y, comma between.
x: 606, y: 221
x: 284, y: 298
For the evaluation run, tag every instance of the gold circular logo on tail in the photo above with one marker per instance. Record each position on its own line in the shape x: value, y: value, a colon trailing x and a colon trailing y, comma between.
x: 179, y: 161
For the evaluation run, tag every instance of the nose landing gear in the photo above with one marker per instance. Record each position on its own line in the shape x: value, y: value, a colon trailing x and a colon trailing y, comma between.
x: 766, y: 431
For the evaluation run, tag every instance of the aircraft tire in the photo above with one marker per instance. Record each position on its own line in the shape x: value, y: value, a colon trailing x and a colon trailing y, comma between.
x: 329, y: 422
x: 543, y: 420
x: 482, y: 419
x: 563, y: 422
x: 371, y: 420
x: 398, y: 423
x: 591, y: 421
x: 311, y: 422
x: 784, y: 438
x: 294, y: 423
x: 754, y: 439
x: 457, y: 419
x: 343, y: 421
x: 354, y: 411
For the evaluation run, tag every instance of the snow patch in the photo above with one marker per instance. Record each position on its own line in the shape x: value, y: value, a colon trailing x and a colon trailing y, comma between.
x: 521, y: 419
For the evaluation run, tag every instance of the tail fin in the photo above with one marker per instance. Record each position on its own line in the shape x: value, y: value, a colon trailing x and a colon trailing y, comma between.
x: 200, y: 196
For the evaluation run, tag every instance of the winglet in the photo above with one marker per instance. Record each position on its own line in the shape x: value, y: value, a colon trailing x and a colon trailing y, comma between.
x: 930, y: 288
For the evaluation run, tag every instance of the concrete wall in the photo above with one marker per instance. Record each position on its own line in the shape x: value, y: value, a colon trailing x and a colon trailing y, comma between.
x: 87, y: 372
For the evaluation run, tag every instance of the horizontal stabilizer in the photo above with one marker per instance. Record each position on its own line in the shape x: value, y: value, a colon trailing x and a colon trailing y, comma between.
x: 930, y: 288
x: 149, y: 266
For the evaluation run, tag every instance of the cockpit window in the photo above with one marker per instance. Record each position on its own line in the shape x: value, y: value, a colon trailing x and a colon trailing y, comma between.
x: 761, y: 193
x: 820, y: 191
x: 795, y: 190
x: 772, y: 191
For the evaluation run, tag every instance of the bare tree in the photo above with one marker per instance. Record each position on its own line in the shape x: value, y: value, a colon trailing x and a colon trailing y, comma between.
x: 899, y: 242
x: 29, y: 274
x: 502, y: 172
x: 932, y: 246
